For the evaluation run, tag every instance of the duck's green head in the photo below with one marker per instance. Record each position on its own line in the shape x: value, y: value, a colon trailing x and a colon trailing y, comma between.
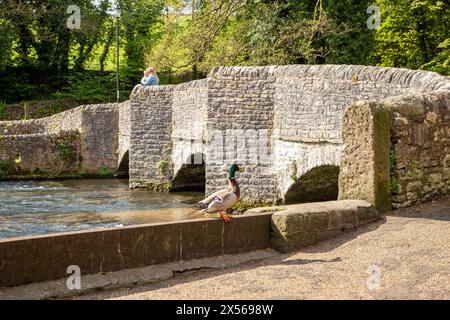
x: 233, y: 168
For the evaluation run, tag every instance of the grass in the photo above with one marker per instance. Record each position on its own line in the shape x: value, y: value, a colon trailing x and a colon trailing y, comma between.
x: 104, y: 172
x: 2, y: 109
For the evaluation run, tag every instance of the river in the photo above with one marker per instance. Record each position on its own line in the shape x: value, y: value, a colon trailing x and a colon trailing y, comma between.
x: 41, y: 207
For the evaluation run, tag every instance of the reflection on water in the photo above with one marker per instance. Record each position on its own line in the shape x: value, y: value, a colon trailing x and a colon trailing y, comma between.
x: 40, y: 207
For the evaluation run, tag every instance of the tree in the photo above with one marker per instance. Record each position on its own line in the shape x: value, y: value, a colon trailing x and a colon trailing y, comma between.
x: 189, y: 33
x: 414, y: 34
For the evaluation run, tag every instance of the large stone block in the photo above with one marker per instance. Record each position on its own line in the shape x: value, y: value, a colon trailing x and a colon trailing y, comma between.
x: 365, y: 167
x: 297, y: 226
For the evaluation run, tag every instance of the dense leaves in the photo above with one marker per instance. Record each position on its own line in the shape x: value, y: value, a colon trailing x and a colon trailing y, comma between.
x: 184, y: 39
x: 40, y: 55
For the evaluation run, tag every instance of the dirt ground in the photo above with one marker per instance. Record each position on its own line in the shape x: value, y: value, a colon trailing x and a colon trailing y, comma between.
x: 405, y: 256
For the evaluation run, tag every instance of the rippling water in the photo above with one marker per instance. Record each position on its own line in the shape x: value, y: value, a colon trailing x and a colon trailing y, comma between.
x: 41, y: 207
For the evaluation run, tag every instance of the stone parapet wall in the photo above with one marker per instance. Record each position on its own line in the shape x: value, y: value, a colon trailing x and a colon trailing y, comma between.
x: 76, y: 142
x: 99, y: 134
x: 400, y: 147
x: 64, y: 121
x: 310, y: 101
x: 35, y: 155
x: 420, y: 147
x: 189, y: 122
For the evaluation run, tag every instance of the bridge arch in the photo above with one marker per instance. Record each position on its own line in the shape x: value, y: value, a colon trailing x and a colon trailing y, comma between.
x: 318, y: 184
x: 124, y: 165
x: 192, y: 174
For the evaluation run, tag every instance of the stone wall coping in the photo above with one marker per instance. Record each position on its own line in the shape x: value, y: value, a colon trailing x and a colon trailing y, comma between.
x: 37, y: 135
x: 414, y: 104
x: 419, y: 79
x: 300, y: 225
x: 424, y: 80
x: 196, y: 84
x: 64, y: 114
x: 313, y: 207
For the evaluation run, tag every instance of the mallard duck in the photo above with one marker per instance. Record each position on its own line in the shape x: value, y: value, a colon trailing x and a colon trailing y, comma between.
x: 225, y: 198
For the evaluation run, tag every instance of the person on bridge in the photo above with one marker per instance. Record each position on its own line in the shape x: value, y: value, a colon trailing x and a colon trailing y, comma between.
x: 150, y: 78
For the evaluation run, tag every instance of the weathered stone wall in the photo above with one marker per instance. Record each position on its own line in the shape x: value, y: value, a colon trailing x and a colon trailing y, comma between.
x: 365, y: 170
x: 420, y: 157
x: 151, y: 137
x: 75, y: 142
x: 400, y: 147
x: 241, y: 105
x: 34, y: 155
x: 168, y: 126
x: 99, y: 135
x: 64, y: 121
x: 310, y: 102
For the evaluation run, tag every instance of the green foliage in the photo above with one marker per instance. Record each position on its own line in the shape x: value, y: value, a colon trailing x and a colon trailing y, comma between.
x: 65, y: 152
x: 163, y: 167
x: 40, y: 58
x: 104, y: 172
x: 90, y: 87
x: 2, y: 109
x: 82, y: 173
x: 4, y: 169
x: 414, y: 34
x: 395, y: 186
x: 392, y: 160
x: 39, y: 55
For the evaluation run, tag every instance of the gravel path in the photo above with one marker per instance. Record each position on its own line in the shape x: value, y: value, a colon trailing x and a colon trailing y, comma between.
x: 411, y: 249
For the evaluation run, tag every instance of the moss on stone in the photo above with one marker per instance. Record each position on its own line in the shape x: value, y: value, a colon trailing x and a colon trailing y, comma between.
x: 244, y: 206
x: 382, y: 160
x: 105, y: 172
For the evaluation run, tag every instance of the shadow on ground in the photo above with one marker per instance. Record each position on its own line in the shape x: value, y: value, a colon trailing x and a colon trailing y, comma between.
x: 435, y: 210
x: 334, y: 243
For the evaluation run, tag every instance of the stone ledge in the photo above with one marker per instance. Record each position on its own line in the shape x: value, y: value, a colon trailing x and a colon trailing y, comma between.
x: 300, y: 225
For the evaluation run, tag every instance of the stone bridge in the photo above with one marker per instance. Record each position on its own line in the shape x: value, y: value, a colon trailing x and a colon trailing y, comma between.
x: 300, y: 133
x: 282, y: 124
